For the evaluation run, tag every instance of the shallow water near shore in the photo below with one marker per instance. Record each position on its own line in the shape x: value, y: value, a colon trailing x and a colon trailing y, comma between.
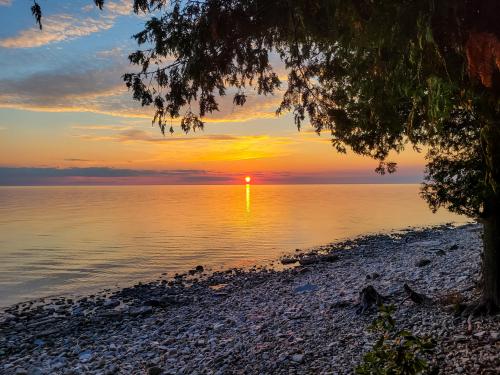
x: 78, y: 239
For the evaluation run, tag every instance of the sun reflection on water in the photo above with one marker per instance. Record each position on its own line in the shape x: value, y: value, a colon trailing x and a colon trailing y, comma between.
x: 247, y: 196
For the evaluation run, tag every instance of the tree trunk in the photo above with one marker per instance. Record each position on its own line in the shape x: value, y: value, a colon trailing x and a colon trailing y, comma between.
x: 491, y: 262
x: 491, y: 217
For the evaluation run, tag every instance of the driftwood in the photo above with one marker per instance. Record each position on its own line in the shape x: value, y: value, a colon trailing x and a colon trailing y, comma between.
x: 418, y: 298
x: 368, y: 298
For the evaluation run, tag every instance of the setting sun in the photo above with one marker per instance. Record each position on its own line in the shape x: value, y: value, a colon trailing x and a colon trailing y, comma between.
x: 248, y: 179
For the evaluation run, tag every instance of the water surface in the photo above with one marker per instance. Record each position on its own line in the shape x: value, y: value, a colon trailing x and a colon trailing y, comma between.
x: 77, y: 239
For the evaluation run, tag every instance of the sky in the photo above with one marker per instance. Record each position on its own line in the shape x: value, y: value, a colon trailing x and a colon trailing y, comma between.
x: 67, y: 118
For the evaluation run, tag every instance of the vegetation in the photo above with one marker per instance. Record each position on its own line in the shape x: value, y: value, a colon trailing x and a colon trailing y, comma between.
x: 378, y: 75
x: 396, y: 352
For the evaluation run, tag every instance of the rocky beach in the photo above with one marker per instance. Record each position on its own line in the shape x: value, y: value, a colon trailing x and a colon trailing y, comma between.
x: 299, y: 315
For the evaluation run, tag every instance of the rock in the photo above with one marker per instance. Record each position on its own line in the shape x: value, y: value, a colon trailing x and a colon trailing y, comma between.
x: 153, y: 303
x: 459, y: 338
x: 111, y: 303
x: 373, y: 276
x: 329, y: 258
x: 313, y: 259
x: 423, y: 262
x: 495, y: 336
x: 77, y: 311
x: 308, y: 260
x: 85, y: 356
x: 306, y: 288
x: 479, y: 335
x: 47, y: 332
x: 440, y: 252
x: 199, y: 269
x: 286, y: 261
x: 111, y: 314
x: 39, y: 342
x: 453, y: 247
x: 21, y: 371
x: 143, y: 310
x: 298, y: 358
x: 217, y: 326
x: 155, y: 370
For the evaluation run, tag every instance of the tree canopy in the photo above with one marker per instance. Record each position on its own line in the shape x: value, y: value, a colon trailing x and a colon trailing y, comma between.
x: 376, y: 75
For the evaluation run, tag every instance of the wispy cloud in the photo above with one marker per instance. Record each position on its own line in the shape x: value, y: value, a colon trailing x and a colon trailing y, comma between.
x: 101, y: 127
x: 138, y: 135
x: 57, y: 28
x: 131, y: 135
x: 77, y: 160
x: 120, y: 7
x: 61, y: 27
x: 5, y: 3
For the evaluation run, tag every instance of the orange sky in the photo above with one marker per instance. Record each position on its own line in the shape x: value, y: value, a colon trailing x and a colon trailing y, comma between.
x: 63, y: 105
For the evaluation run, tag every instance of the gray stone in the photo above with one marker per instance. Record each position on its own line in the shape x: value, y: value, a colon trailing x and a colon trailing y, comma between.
x: 85, y: 356
x: 154, y: 371
x: 306, y: 288
x: 142, y: 310
x: 423, y: 262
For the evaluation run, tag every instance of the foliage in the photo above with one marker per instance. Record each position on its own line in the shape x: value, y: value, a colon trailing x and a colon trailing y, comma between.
x: 395, y: 352
x: 376, y: 75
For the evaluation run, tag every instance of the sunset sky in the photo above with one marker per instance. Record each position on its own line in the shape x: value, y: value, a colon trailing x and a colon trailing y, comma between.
x: 67, y: 118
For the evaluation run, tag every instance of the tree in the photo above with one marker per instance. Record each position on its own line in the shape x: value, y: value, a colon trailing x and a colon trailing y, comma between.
x: 378, y: 75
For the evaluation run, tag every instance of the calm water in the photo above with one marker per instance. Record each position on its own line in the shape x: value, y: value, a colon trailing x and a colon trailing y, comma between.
x: 77, y: 239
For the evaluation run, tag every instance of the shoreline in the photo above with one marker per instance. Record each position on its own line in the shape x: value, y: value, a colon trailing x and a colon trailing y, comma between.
x: 273, y: 263
x: 300, y: 319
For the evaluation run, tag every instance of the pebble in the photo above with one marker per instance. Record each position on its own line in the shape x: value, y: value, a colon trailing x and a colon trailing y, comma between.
x: 423, y: 262
x: 85, y: 356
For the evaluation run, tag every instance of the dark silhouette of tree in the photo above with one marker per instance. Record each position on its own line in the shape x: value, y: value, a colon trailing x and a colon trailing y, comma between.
x: 378, y: 75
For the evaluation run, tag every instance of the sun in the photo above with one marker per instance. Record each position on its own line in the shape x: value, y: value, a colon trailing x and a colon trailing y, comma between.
x: 248, y: 179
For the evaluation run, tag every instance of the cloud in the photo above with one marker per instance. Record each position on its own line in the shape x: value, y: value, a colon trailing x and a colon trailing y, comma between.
x: 94, y: 90
x: 134, y: 135
x: 98, y: 90
x: 106, y: 175
x: 116, y: 176
x: 131, y: 135
x: 5, y: 3
x: 47, y: 88
x: 61, y: 27
x: 101, y: 127
x: 121, y: 7
x: 57, y: 28
x: 102, y: 91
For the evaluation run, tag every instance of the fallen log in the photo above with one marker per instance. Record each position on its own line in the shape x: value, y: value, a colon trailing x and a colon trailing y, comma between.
x: 418, y: 298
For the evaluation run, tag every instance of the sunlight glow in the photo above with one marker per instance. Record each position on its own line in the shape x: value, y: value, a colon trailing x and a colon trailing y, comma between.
x: 248, y: 179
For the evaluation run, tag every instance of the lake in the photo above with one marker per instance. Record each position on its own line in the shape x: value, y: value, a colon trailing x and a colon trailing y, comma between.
x: 70, y: 240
